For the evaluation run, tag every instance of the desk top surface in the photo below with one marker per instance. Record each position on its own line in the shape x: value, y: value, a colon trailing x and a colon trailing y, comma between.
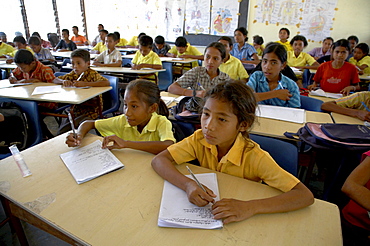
x: 4, y: 65
x: 123, y: 206
x: 345, y: 119
x: 67, y: 54
x: 122, y: 70
x: 66, y: 95
x: 166, y: 59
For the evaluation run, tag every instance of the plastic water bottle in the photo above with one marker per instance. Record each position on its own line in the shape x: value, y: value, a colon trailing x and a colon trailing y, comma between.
x: 19, y: 160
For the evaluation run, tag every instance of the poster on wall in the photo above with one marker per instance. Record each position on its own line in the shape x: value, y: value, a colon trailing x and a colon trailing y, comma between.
x: 224, y: 17
x: 197, y: 16
x: 317, y: 19
x: 172, y: 25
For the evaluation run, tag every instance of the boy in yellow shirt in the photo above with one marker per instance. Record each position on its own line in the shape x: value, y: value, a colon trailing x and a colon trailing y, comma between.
x: 134, y: 41
x: 183, y: 49
x: 100, y: 47
x: 20, y: 43
x: 121, y: 41
x: 283, y: 36
x: 361, y: 59
x: 5, y: 49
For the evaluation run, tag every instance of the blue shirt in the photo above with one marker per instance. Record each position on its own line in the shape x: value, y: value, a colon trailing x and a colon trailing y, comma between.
x: 245, y: 53
x: 258, y: 82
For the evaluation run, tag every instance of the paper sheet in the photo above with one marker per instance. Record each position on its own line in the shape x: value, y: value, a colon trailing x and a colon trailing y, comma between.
x: 176, y: 210
x: 295, y: 115
x: 90, y: 161
x: 321, y: 93
x: 47, y: 89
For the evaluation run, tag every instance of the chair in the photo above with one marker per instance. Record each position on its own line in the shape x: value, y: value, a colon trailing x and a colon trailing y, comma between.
x: 285, y: 154
x: 3, y: 74
x: 311, y: 104
x: 126, y: 62
x: 165, y: 79
x: 32, y: 112
x: 111, y: 98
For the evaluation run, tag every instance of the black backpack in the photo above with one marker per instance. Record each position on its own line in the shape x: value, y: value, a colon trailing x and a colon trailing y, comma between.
x: 53, y: 39
x: 14, y: 129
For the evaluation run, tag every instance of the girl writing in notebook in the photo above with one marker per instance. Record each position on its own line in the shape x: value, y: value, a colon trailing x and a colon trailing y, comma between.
x: 337, y: 75
x: 139, y: 128
x: 270, y: 85
x: 223, y: 145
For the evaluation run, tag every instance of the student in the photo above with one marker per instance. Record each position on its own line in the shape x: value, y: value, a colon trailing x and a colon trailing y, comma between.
x: 361, y: 59
x: 134, y: 41
x: 201, y: 79
x: 258, y: 44
x: 19, y: 43
x: 299, y: 59
x: 97, y: 39
x: 245, y: 52
x: 319, y: 52
x: 5, y: 49
x: 183, y: 49
x: 160, y: 47
x: 284, y: 34
x: 353, y: 41
x: 144, y: 126
x: 45, y: 44
x: 121, y: 41
x: 29, y: 70
x: 110, y: 57
x: 41, y: 53
x: 337, y: 76
x: 271, y: 87
x: 65, y: 44
x: 355, y: 105
x: 145, y: 57
x: 79, y: 40
x: 355, y: 215
x: 223, y: 145
x: 231, y: 65
x: 82, y: 75
x: 100, y: 47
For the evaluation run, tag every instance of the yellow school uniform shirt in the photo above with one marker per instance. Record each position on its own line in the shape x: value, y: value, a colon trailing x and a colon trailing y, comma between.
x: 355, y: 100
x: 364, y: 60
x: 133, y: 41
x: 245, y: 159
x: 151, y: 58
x: 190, y: 50
x: 287, y: 45
x: 122, y: 42
x: 6, y: 49
x: 159, y: 128
x: 302, y: 60
x: 259, y: 50
x: 15, y: 51
x: 234, y: 68
x: 100, y: 47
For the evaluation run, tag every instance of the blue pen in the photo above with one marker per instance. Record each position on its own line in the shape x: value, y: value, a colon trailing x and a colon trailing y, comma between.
x: 365, y: 106
x: 201, y: 87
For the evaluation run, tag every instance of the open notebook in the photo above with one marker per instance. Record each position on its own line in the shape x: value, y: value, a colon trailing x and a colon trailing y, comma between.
x: 90, y: 161
x: 176, y: 210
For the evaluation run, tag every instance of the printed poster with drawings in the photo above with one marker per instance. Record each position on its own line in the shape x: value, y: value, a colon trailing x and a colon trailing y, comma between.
x: 284, y: 12
x: 197, y: 16
x: 176, y: 210
x: 224, y: 19
x: 89, y: 162
x: 173, y: 22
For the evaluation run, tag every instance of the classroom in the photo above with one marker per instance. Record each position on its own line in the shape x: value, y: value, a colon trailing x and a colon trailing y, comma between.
x: 162, y: 122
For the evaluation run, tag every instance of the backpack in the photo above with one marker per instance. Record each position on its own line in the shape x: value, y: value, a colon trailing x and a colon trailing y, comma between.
x: 14, y: 129
x: 192, y: 106
x: 53, y: 39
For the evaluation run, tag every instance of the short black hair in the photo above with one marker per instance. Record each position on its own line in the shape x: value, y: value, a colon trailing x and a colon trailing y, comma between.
x: 364, y: 47
x: 36, y: 34
x: 244, y: 31
x: 219, y: 46
x: 141, y: 34
x: 34, y: 40
x: 118, y: 35
x: 84, y: 54
x: 276, y: 48
x: 19, y: 39
x: 328, y: 38
x: 353, y: 37
x: 299, y: 38
x: 103, y: 30
x: 23, y: 56
x: 66, y: 30
x: 285, y: 29
x: 113, y: 35
x: 227, y: 39
x: 146, y: 41
x: 75, y: 27
x: 341, y: 43
x: 101, y: 25
x: 258, y: 40
x: 159, y: 40
x: 181, y: 42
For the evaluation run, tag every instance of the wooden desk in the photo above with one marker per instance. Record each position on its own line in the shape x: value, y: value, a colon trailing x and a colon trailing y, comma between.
x: 67, y: 95
x: 345, y: 119
x: 4, y: 65
x: 324, y: 99
x: 276, y: 128
x: 127, y: 49
x: 67, y: 54
x: 166, y: 59
x: 121, y: 208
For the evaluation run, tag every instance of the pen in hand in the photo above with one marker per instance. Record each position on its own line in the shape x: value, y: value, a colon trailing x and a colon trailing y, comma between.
x: 72, y: 125
x: 197, y: 181
x: 201, y: 87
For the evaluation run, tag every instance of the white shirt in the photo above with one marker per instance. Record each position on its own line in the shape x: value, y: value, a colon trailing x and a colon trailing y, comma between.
x: 108, y: 58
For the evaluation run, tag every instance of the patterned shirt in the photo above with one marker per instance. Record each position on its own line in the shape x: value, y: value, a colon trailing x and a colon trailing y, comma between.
x: 258, y: 82
x: 162, y: 51
x: 245, y: 53
x: 91, y: 107
x: 41, y: 72
x: 44, y: 54
x: 199, y: 76
x: 108, y: 58
x: 355, y: 100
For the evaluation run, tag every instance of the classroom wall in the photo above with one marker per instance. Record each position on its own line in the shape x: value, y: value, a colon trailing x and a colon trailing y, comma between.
x: 352, y: 18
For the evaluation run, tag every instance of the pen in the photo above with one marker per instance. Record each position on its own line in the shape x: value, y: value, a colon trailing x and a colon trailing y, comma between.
x: 196, y: 180
x: 79, y: 77
x: 72, y: 125
x: 201, y: 87
x: 363, y: 103
x: 282, y: 87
